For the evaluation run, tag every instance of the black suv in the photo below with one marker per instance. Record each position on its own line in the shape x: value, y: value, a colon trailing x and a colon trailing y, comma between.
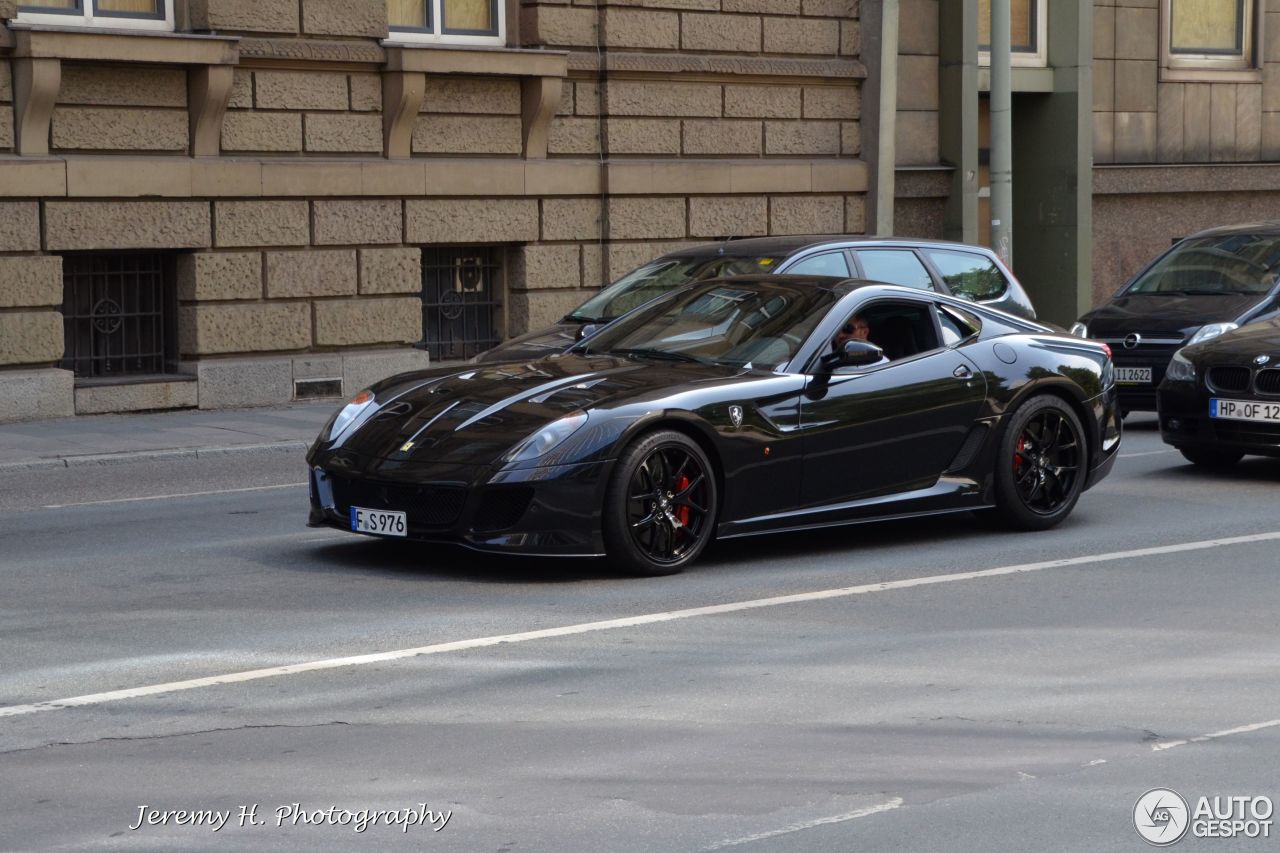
x: 957, y: 269
x: 1204, y: 285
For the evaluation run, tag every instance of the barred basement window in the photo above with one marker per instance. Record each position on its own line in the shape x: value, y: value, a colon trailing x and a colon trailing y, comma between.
x: 461, y: 21
x: 119, y: 315
x: 459, y: 301
x: 131, y: 14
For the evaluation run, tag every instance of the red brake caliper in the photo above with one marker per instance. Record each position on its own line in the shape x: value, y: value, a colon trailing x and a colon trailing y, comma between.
x: 1017, y: 454
x: 682, y: 512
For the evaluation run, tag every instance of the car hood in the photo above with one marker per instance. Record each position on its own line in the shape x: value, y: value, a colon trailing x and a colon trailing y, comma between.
x: 556, y: 338
x: 476, y: 415
x: 1240, y: 346
x: 1147, y: 313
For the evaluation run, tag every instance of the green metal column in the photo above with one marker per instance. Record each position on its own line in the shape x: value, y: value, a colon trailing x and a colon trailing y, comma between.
x: 958, y: 116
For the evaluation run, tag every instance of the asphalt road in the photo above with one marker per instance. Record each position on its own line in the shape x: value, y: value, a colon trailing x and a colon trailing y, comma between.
x: 926, y: 685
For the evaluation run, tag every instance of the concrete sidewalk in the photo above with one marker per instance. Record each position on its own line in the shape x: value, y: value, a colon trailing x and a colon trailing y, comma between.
x: 113, y: 439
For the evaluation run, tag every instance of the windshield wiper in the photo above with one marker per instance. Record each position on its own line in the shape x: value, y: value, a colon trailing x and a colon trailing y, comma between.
x: 663, y: 355
x: 1193, y: 292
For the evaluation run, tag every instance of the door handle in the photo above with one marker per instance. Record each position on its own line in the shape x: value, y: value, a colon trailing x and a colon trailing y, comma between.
x: 962, y: 372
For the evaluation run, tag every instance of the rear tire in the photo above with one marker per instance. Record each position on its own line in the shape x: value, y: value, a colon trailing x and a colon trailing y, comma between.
x: 1209, y: 458
x: 660, y: 506
x: 1041, y: 464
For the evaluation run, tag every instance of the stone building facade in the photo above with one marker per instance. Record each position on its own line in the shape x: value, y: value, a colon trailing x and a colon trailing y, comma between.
x: 221, y: 203
x: 231, y: 203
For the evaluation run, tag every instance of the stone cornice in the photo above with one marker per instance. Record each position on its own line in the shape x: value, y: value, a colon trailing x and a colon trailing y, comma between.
x: 717, y: 66
x: 287, y: 51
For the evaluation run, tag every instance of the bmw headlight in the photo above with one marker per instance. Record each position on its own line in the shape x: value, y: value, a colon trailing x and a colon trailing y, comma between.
x: 1180, y: 369
x: 1080, y: 330
x: 546, y: 439
x: 1211, y: 331
x: 348, y: 413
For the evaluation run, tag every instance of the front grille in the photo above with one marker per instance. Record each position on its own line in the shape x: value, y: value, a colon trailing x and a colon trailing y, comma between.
x: 500, y: 509
x: 1229, y: 379
x: 427, y: 505
x: 1267, y: 381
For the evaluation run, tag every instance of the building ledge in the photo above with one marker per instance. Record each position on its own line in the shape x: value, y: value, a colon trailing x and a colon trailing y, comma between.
x: 81, y: 44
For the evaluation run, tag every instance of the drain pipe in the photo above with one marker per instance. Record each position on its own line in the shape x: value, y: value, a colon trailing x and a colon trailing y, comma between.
x: 880, y: 111
x: 1001, y: 131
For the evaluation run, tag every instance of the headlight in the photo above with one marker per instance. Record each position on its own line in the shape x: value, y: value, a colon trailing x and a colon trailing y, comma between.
x: 1211, y: 331
x: 1180, y: 369
x: 546, y: 439
x: 1080, y: 330
x: 349, y: 413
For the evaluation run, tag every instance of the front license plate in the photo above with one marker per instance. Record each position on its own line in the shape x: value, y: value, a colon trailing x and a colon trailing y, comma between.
x: 1243, y: 410
x: 378, y: 522
x: 1133, y: 375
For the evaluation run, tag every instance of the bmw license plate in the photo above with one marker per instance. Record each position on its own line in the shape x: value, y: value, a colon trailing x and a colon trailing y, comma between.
x: 1244, y: 410
x: 1133, y: 375
x: 378, y: 522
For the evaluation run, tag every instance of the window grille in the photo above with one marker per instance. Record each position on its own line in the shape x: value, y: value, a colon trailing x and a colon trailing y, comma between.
x: 119, y: 315
x: 459, y: 302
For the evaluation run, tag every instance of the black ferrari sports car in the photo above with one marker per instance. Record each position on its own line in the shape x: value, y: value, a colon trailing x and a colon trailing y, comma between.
x: 1220, y: 400
x: 729, y: 408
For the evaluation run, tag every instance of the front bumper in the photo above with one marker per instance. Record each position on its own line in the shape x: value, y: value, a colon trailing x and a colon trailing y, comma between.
x: 551, y: 511
x: 1185, y: 423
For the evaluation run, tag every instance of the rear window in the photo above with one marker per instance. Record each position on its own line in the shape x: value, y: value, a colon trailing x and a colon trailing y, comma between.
x: 1245, y: 263
x: 968, y: 275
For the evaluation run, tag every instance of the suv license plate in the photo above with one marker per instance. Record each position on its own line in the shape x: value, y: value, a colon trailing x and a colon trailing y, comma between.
x: 1133, y: 375
x: 378, y: 522
x: 1244, y: 410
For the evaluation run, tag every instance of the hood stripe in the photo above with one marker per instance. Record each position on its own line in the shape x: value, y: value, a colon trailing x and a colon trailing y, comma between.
x: 528, y: 393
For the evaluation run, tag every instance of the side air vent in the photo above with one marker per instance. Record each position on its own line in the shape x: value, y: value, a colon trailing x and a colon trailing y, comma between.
x: 969, y: 449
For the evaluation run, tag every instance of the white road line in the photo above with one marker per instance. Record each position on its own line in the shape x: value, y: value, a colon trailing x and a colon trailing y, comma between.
x: 1146, y: 453
x: 625, y: 622
x: 180, y: 495
x: 894, y: 803
x: 1239, y: 730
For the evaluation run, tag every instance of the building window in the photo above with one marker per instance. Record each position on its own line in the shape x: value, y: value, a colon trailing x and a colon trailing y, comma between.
x: 462, y: 21
x: 119, y: 315
x: 1209, y: 39
x: 1029, y: 36
x: 459, y: 302
x: 131, y: 14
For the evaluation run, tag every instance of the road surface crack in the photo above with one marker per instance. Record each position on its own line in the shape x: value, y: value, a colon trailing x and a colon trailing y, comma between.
x: 137, y: 738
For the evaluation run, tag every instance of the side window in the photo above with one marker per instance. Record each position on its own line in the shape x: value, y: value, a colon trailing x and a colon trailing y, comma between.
x: 900, y: 328
x: 955, y: 327
x: 895, y: 266
x: 969, y: 276
x: 828, y: 263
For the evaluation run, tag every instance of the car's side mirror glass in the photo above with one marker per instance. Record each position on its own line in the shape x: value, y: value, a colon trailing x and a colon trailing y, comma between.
x: 588, y: 330
x: 859, y: 354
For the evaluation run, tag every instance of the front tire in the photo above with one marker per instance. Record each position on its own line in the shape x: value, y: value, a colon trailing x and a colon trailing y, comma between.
x: 660, y: 505
x: 1041, y: 464
x: 1209, y: 458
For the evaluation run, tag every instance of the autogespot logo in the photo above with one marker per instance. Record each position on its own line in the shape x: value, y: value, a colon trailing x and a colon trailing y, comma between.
x: 1161, y: 817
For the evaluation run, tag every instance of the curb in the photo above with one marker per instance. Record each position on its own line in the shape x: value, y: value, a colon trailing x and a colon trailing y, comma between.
x: 132, y: 456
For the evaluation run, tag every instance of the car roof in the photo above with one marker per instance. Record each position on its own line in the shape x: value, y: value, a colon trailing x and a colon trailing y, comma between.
x: 1270, y: 228
x: 790, y: 245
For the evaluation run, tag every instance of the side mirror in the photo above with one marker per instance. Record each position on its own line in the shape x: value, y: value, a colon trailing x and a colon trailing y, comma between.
x: 588, y: 330
x: 853, y: 354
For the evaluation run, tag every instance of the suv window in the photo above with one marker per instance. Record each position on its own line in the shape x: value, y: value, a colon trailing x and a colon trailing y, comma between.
x: 895, y: 266
x: 969, y: 276
x: 828, y: 263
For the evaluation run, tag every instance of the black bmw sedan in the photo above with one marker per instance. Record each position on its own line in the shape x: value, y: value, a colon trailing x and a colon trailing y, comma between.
x: 729, y: 408
x: 956, y: 269
x: 1220, y: 400
x: 1205, y: 285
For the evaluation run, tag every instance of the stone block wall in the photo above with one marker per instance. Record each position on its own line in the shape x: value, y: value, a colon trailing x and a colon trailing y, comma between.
x: 118, y: 108
x: 1140, y: 117
x: 294, y: 112
x: 6, y: 107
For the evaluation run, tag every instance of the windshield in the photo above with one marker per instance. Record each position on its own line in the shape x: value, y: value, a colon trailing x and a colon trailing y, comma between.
x: 1245, y: 263
x: 657, y: 277
x: 753, y: 323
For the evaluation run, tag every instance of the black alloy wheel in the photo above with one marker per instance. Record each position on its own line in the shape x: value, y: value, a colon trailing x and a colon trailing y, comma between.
x: 1207, y: 457
x: 1041, y: 465
x: 660, y: 509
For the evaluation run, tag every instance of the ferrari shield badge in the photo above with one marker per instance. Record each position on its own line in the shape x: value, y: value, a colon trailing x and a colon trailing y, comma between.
x: 735, y: 415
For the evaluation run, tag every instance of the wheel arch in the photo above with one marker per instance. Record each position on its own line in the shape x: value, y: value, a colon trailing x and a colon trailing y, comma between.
x: 1065, y: 391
